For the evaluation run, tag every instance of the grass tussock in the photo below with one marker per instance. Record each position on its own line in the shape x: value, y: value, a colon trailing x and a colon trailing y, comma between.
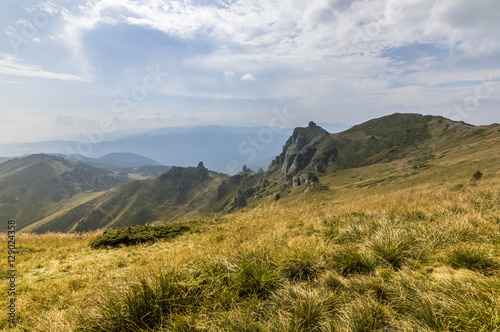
x: 353, y: 260
x: 393, y: 245
x: 473, y: 257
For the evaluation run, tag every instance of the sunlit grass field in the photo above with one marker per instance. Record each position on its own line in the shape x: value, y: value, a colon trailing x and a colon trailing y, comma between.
x: 422, y: 258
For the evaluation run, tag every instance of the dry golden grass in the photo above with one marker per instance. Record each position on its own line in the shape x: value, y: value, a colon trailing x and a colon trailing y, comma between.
x: 61, y: 278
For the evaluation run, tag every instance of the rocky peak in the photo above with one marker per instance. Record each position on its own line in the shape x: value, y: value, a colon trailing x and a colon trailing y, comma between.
x: 246, y: 170
x: 293, y: 158
x: 303, y: 136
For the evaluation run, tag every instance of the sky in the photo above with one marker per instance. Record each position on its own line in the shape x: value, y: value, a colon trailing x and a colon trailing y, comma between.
x: 78, y: 69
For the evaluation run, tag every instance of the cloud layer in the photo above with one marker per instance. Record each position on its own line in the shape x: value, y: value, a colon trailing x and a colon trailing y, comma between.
x: 228, y: 60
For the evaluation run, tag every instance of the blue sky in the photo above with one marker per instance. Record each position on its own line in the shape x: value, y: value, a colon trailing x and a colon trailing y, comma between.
x: 69, y: 66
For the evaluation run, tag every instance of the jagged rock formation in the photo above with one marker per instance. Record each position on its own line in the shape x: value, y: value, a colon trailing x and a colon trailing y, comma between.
x: 246, y: 170
x: 294, y: 157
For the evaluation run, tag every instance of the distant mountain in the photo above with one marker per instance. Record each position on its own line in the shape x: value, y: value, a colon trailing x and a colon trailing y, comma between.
x: 310, y: 161
x: 4, y: 159
x: 37, y: 186
x: 222, y: 148
x: 114, y: 161
x: 126, y: 159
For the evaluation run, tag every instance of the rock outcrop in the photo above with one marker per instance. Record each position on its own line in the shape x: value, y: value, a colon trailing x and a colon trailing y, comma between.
x: 239, y: 199
x: 246, y: 170
x: 297, y: 153
x: 305, y: 178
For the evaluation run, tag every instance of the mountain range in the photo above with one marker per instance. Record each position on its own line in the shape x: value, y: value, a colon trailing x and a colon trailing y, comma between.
x: 398, y: 148
x: 222, y: 148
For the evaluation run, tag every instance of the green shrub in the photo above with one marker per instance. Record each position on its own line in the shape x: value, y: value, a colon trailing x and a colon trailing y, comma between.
x: 477, y: 176
x: 140, y: 234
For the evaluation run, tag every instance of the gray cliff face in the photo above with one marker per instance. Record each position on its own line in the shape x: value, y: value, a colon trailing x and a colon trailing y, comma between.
x: 296, y: 154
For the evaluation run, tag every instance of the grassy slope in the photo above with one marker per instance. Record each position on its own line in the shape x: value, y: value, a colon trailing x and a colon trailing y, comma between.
x: 36, y: 187
x: 182, y: 195
x: 169, y: 197
x: 407, y: 245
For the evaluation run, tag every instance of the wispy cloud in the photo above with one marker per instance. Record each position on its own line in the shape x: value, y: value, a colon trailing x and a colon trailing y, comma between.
x: 11, y: 65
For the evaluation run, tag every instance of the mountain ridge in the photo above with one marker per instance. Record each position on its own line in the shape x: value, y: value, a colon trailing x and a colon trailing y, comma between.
x: 310, y: 161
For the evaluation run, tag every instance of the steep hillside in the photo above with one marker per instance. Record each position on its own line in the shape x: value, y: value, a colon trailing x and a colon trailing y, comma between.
x: 36, y: 186
x: 398, y: 148
x: 177, y: 194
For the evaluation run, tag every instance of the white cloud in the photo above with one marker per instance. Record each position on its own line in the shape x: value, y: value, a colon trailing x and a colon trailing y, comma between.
x: 322, y: 52
x: 247, y: 77
x: 11, y: 65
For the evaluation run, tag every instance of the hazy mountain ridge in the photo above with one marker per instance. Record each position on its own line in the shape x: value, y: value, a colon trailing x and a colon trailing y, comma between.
x: 310, y: 155
x: 217, y: 146
x: 4, y: 159
x: 114, y: 161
